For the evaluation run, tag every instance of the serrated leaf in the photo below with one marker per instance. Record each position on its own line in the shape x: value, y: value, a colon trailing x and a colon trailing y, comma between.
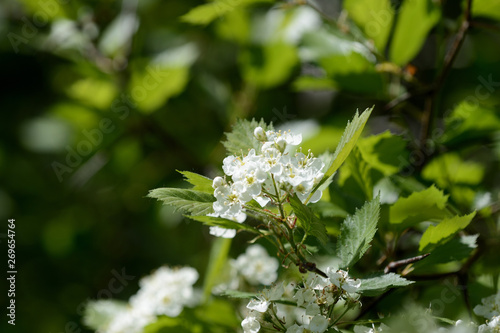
x: 207, y: 13
x: 308, y: 221
x: 357, y: 232
x: 241, y: 139
x: 346, y: 144
x: 199, y: 182
x: 186, y: 201
x: 378, y: 284
x: 221, y: 222
x: 426, y: 205
x: 328, y: 209
x: 435, y: 235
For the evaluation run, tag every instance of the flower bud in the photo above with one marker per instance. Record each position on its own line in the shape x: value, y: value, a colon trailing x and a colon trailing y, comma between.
x: 260, y: 134
x: 218, y: 182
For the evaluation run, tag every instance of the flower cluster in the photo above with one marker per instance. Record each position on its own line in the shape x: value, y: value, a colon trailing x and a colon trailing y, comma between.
x: 490, y: 307
x: 492, y: 326
x: 266, y: 176
x: 316, y: 297
x: 166, y: 292
x: 256, y: 266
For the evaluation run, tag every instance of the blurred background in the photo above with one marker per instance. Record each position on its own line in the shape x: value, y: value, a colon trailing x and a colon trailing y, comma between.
x: 103, y: 101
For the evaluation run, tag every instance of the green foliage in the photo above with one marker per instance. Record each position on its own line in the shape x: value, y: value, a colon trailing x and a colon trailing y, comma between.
x: 222, y: 222
x: 426, y: 205
x: 376, y: 285
x: 241, y: 139
x: 346, y: 145
x: 449, y: 169
x: 357, y: 232
x: 435, y: 235
x: 415, y: 20
x: 199, y: 182
x: 357, y: 167
x: 218, y: 257
x: 456, y: 249
x: 186, y: 201
x: 384, y: 152
x: 268, y: 66
x: 308, y: 221
x: 207, y: 13
x: 486, y: 8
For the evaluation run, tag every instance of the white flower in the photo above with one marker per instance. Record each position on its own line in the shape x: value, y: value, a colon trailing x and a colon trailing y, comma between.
x: 342, y: 280
x: 130, y: 321
x: 250, y: 324
x: 257, y: 266
x: 262, y: 302
x: 260, y: 134
x: 222, y: 232
x: 305, y: 296
x: 493, y: 326
x: 490, y: 307
x: 166, y: 292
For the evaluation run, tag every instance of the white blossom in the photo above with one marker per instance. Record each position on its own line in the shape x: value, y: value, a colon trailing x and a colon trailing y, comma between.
x: 493, y: 326
x: 342, y: 280
x: 130, y: 321
x: 166, y: 292
x: 250, y: 324
x: 261, y: 303
x: 490, y: 306
x: 318, y: 324
x: 257, y: 266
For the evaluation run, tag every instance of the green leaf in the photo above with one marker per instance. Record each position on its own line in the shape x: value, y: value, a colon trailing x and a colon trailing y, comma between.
x: 436, y: 235
x: 415, y: 20
x: 426, y: 205
x: 357, y: 167
x: 374, y: 17
x: 199, y: 182
x: 449, y: 169
x: 486, y: 8
x: 166, y: 324
x: 269, y: 65
x: 378, y: 284
x: 347, y: 142
x: 218, y: 313
x: 218, y: 257
x: 455, y: 250
x: 222, y: 222
x: 308, y: 221
x: 206, y: 13
x: 384, y: 152
x: 186, y: 201
x: 357, y: 232
x: 241, y: 139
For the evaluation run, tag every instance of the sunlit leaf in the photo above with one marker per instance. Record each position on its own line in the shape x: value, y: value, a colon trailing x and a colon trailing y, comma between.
x: 435, y: 235
x: 426, y: 205
x: 415, y: 20
x: 269, y: 65
x: 221, y: 222
x: 486, y: 8
x: 208, y: 12
x: 374, y: 17
x: 199, y: 182
x: 186, y: 201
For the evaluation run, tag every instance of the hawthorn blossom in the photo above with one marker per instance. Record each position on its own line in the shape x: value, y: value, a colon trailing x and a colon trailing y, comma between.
x: 490, y: 306
x: 257, y: 266
x: 342, y: 280
x: 493, y: 326
x: 166, y: 292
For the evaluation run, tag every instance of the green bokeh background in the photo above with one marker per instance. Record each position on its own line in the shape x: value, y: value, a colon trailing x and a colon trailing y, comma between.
x: 82, y: 216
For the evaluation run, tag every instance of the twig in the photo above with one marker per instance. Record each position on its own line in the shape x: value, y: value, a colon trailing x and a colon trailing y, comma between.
x: 395, y: 264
